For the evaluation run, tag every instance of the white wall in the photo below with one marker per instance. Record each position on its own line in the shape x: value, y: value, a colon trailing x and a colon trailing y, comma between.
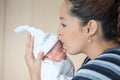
x: 2, y: 15
x: 18, y: 12
x: 43, y: 14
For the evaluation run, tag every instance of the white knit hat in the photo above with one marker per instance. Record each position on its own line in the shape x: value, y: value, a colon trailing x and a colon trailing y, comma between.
x: 42, y: 41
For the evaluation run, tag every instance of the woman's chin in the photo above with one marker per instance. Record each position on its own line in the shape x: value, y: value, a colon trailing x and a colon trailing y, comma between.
x: 72, y: 52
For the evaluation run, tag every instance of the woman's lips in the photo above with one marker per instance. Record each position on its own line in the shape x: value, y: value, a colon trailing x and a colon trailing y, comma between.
x: 63, y: 47
x: 63, y: 44
x: 64, y: 50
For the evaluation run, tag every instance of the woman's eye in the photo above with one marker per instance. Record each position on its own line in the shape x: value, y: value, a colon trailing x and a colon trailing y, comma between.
x: 63, y: 25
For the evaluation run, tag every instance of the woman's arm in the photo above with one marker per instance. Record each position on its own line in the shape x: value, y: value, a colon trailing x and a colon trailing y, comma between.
x: 34, y: 66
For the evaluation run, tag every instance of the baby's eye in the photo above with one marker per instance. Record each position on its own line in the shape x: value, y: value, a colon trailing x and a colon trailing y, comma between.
x: 60, y: 50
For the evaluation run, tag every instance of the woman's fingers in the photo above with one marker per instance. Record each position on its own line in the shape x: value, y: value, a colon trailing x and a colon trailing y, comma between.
x: 34, y: 66
x: 29, y: 47
x: 27, y: 42
x: 40, y: 57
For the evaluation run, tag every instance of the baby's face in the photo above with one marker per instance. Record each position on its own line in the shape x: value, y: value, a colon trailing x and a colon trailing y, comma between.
x: 57, y: 53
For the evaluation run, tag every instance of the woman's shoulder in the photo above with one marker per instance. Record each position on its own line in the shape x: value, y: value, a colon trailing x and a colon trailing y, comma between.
x: 105, y: 67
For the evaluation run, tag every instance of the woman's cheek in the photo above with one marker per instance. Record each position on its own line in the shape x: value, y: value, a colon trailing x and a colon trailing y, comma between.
x: 73, y: 35
x: 74, y: 39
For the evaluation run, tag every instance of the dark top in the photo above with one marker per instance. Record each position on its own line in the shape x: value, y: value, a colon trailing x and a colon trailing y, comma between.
x: 105, y: 67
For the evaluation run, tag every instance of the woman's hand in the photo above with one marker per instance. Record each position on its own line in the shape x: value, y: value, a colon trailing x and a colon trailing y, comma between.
x: 34, y: 66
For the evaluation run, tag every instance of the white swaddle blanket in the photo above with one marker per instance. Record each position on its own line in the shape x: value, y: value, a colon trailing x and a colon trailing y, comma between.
x: 51, y: 70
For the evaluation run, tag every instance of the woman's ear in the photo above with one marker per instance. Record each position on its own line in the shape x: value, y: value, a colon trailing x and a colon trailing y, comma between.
x: 92, y: 27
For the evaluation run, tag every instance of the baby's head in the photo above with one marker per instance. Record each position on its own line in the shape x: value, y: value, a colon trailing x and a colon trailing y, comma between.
x: 57, y: 53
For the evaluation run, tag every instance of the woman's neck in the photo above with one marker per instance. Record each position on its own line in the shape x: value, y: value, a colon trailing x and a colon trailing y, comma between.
x: 94, y: 50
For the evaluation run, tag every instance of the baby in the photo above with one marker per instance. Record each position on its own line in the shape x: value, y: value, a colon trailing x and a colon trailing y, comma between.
x: 57, y: 53
x: 55, y: 65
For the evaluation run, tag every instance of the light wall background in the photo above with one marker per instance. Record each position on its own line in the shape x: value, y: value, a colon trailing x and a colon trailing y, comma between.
x: 42, y: 14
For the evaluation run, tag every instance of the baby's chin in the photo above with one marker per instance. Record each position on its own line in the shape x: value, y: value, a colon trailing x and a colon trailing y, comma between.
x: 55, y: 59
x: 58, y: 60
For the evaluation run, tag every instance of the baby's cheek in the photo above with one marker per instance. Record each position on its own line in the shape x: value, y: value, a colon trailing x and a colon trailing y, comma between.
x: 59, y: 57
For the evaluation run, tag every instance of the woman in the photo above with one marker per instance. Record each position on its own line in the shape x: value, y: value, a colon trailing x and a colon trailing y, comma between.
x: 91, y: 27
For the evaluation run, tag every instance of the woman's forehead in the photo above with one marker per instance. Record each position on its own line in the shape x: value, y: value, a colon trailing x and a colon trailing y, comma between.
x: 64, y: 10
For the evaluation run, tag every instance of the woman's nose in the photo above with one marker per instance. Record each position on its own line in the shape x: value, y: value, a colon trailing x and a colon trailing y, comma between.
x: 60, y: 32
x: 60, y: 36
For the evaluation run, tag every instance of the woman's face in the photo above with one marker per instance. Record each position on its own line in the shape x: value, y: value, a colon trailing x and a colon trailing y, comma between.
x: 71, y: 33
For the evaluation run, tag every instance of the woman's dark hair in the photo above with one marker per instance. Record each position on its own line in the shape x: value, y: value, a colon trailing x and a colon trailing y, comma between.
x: 105, y: 11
